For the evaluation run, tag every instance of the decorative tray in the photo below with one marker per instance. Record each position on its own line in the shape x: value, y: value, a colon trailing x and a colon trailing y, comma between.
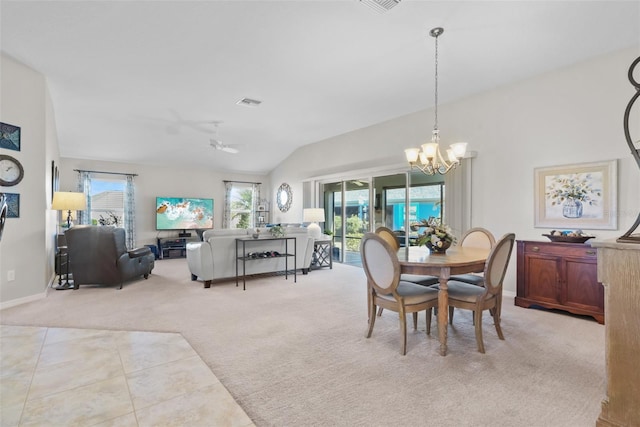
x: 568, y: 239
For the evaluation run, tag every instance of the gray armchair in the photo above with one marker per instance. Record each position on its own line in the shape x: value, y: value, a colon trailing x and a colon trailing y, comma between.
x: 98, y: 255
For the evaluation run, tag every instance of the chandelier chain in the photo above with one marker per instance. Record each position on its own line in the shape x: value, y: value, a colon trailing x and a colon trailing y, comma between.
x: 435, y: 126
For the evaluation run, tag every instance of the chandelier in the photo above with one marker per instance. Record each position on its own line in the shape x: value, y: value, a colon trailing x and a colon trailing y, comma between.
x: 429, y: 160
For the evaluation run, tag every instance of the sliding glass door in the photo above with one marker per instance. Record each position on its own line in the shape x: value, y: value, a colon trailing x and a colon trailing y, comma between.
x: 356, y: 206
x: 348, y: 217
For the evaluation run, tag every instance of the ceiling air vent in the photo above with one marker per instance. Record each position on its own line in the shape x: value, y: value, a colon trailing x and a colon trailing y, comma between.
x: 380, y: 6
x: 248, y: 102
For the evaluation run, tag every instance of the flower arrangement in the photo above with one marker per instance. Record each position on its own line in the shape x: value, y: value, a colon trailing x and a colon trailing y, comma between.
x: 436, y: 236
x: 578, y: 187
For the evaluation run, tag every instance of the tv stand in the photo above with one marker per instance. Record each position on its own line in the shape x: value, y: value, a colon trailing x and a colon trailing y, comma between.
x: 184, y: 234
x: 172, y: 247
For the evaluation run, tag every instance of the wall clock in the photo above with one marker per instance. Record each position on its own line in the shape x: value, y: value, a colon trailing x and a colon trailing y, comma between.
x: 11, y: 171
x: 284, y: 197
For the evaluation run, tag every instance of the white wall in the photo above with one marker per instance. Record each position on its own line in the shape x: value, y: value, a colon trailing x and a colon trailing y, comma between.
x: 572, y: 115
x: 27, y: 246
x: 153, y: 181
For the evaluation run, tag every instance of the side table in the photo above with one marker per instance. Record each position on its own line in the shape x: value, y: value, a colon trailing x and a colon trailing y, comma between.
x: 321, y: 254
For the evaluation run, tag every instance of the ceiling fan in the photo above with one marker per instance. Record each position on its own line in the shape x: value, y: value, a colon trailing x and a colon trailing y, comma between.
x: 220, y: 146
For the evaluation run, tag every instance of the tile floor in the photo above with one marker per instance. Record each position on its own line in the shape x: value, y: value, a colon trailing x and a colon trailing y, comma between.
x: 85, y: 377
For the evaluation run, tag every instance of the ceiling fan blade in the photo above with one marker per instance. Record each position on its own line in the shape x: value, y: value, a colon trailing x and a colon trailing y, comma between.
x: 228, y: 149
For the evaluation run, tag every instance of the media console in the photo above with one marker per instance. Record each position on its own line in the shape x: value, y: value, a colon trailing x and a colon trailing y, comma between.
x: 174, y: 247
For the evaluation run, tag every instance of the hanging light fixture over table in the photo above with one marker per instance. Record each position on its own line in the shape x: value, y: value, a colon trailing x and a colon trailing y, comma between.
x: 429, y: 160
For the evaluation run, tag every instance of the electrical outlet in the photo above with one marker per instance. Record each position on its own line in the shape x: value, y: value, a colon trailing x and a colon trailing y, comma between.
x: 11, y: 275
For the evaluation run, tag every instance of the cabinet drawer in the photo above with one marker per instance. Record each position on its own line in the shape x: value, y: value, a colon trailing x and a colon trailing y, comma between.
x: 560, y: 249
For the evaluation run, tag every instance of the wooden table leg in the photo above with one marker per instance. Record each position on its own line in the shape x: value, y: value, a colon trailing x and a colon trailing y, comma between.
x: 443, y: 310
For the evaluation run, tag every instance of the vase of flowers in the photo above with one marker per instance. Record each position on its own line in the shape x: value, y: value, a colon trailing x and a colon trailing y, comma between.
x: 572, y: 192
x: 435, y: 236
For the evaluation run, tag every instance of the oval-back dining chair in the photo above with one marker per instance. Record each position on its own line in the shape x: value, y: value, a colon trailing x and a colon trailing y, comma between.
x: 475, y: 298
x: 386, y: 290
x: 390, y: 237
x: 476, y: 237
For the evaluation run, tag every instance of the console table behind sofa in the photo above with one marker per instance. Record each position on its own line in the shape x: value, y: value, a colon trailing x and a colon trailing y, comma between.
x: 214, y: 259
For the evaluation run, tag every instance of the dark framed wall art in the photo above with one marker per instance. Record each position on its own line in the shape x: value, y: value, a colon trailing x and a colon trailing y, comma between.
x: 13, y: 205
x: 55, y: 179
x: 9, y: 136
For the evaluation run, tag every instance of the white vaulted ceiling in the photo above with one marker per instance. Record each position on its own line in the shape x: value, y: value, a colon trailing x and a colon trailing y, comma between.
x: 142, y: 81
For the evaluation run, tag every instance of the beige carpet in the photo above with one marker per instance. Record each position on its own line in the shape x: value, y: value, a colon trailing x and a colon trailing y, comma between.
x: 295, y: 354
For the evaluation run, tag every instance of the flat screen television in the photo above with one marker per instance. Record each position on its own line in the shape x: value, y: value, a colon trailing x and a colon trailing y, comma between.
x: 183, y: 213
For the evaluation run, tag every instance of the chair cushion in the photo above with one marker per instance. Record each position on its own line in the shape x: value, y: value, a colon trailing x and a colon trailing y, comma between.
x: 412, y: 293
x: 473, y: 279
x: 464, y: 291
x: 420, y: 279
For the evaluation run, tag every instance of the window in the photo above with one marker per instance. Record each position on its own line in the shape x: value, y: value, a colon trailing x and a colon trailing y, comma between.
x: 107, y: 201
x: 241, y: 199
x: 110, y: 201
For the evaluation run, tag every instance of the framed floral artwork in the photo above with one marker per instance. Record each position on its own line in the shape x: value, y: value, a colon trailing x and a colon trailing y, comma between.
x: 579, y: 196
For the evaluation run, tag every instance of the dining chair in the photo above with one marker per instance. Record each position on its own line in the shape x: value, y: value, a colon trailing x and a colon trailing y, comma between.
x: 471, y: 297
x: 386, y: 290
x: 392, y: 238
x: 476, y: 237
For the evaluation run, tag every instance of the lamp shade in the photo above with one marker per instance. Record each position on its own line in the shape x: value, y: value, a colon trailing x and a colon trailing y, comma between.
x: 68, y: 201
x: 313, y: 215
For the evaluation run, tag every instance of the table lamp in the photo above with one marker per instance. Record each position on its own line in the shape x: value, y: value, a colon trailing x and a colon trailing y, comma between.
x: 68, y: 201
x: 313, y: 216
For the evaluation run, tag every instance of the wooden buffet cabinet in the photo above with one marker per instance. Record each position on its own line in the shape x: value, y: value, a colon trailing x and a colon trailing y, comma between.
x: 561, y: 276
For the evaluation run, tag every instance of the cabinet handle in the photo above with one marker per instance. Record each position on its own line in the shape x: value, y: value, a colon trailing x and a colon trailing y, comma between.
x: 591, y: 252
x: 535, y: 249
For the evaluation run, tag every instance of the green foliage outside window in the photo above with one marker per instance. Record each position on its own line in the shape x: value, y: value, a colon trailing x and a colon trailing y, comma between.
x: 242, y: 203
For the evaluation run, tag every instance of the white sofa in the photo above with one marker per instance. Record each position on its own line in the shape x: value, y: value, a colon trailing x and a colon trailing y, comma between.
x: 215, y: 257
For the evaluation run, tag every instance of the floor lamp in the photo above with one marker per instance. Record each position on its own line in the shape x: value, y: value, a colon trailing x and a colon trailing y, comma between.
x: 314, y: 216
x: 66, y: 201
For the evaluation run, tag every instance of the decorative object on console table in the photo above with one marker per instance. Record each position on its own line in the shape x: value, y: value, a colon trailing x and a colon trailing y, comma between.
x: 68, y: 201
x: 313, y: 216
x: 577, y: 196
x: 277, y: 231
x: 559, y: 276
x: 629, y: 237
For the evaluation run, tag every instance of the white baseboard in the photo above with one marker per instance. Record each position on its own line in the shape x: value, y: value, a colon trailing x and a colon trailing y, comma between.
x: 19, y: 301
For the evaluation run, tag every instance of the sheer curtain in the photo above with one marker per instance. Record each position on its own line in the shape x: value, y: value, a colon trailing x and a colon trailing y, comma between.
x: 226, y: 217
x: 84, y: 186
x: 130, y: 212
